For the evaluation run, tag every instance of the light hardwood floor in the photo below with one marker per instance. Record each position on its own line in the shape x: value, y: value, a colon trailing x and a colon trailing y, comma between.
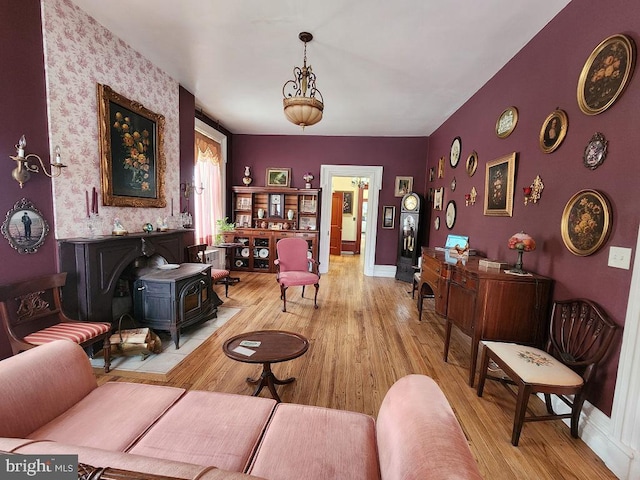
x: 364, y: 336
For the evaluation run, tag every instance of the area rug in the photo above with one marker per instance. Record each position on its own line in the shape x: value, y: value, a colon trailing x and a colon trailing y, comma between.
x: 158, y: 366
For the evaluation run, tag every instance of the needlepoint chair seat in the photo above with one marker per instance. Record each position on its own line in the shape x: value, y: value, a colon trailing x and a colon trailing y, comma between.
x: 294, y: 268
x: 580, y: 335
x: 195, y: 254
x: 31, y: 315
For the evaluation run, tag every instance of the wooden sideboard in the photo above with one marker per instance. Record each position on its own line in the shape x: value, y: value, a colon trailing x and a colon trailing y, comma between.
x: 486, y: 304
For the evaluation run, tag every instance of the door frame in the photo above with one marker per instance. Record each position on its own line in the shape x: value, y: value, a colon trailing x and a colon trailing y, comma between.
x: 327, y: 172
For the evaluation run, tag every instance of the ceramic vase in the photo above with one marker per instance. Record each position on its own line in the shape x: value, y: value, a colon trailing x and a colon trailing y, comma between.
x: 290, y: 214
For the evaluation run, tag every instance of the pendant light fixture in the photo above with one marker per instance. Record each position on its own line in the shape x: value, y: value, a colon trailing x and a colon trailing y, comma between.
x: 303, y: 103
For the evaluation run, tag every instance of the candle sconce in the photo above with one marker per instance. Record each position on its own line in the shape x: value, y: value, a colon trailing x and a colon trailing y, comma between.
x: 22, y: 172
x: 470, y: 198
x: 187, y: 188
x: 533, y: 192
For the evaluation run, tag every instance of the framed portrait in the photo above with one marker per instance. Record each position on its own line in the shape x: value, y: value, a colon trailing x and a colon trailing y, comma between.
x: 472, y: 163
x: 586, y: 222
x: 441, y: 167
x: 278, y: 177
x: 347, y: 203
x: 132, y: 161
x: 388, y: 216
x: 606, y: 73
x: 403, y: 186
x: 553, y: 131
x: 25, y: 227
x: 507, y: 122
x: 499, y: 181
x: 432, y: 174
x: 438, y: 198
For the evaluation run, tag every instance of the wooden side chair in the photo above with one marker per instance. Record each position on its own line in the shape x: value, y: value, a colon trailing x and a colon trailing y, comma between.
x: 31, y: 315
x: 580, y: 336
x: 295, y: 268
x: 195, y: 254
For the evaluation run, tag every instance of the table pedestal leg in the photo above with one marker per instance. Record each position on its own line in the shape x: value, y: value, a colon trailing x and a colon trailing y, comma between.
x: 268, y: 379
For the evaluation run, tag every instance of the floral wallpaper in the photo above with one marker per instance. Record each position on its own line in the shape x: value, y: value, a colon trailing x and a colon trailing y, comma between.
x: 79, y: 54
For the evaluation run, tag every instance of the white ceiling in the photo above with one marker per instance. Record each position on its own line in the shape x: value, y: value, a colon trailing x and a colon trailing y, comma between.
x: 384, y: 68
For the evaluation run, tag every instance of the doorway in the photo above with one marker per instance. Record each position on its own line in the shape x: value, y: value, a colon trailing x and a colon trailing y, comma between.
x: 374, y: 173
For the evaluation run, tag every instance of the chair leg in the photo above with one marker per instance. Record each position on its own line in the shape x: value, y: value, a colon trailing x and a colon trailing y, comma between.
x: 226, y: 286
x: 302, y: 291
x: 315, y: 297
x: 484, y: 365
x: 576, y: 408
x: 547, y: 401
x: 283, y: 296
x: 524, y: 392
x: 106, y: 352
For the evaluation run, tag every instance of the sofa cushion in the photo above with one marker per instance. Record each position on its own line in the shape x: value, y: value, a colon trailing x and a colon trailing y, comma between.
x: 209, y: 428
x: 61, y: 375
x: 126, y: 461
x: 309, y: 442
x: 417, y: 432
x: 111, y: 417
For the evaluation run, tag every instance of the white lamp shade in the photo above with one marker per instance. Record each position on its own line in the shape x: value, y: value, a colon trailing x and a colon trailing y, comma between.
x: 303, y: 111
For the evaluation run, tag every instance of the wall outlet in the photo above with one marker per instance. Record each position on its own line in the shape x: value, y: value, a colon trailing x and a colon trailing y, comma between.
x: 619, y: 257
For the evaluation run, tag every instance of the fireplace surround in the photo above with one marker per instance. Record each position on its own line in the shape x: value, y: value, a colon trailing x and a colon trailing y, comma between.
x: 94, y: 267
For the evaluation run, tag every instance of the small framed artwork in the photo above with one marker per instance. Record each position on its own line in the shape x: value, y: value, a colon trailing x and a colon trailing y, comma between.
x: 506, y: 122
x: 595, y: 151
x: 132, y: 162
x: 606, y: 73
x: 347, y: 203
x: 278, y: 177
x: 436, y: 223
x: 455, y: 152
x: 586, y: 222
x: 499, y: 180
x: 441, y: 167
x: 438, y: 198
x: 403, y: 186
x: 432, y: 174
x: 472, y: 163
x: 25, y: 227
x: 243, y: 221
x: 388, y: 216
x: 553, y: 131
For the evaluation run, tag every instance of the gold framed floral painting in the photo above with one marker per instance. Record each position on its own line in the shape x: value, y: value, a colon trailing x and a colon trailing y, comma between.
x: 586, y: 222
x: 132, y: 162
x: 498, y: 187
x: 606, y: 73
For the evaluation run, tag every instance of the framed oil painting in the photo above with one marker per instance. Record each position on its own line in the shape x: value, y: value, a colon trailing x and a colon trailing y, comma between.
x: 388, y: 216
x: 499, y: 180
x: 132, y: 161
x: 586, y: 222
x: 347, y: 203
x: 403, y: 186
x: 25, y: 227
x: 606, y: 73
x: 553, y: 131
x: 472, y: 163
x: 278, y: 177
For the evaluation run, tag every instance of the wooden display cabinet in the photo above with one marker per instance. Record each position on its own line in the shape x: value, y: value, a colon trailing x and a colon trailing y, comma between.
x: 265, y: 215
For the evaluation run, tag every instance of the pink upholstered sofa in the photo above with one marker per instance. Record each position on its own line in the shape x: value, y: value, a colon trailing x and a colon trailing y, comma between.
x: 51, y: 404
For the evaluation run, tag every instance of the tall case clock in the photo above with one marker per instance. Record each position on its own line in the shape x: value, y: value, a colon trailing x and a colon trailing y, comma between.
x: 408, y: 243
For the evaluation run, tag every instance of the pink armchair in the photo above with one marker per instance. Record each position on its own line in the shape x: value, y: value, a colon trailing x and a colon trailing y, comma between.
x: 295, y: 268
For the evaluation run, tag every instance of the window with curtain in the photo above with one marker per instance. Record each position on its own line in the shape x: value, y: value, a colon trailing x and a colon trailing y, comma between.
x: 208, y: 173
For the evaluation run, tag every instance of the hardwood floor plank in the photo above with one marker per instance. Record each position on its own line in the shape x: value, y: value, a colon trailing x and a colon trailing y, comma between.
x: 363, y: 337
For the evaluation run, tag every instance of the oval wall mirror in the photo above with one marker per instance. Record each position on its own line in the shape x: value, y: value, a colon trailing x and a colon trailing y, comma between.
x: 25, y: 227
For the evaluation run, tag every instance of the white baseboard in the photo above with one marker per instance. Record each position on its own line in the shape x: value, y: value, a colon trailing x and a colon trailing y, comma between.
x: 388, y: 271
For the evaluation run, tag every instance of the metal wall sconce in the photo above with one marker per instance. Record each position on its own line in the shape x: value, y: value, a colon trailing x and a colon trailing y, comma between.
x: 533, y: 192
x: 470, y: 198
x: 187, y: 188
x: 22, y: 172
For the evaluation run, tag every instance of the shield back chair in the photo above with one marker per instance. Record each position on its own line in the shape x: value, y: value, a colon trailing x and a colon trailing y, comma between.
x: 195, y: 254
x: 579, y: 337
x: 295, y: 268
x: 31, y: 315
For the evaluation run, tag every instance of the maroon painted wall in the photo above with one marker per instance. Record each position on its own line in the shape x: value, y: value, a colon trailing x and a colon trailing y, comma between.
x: 24, y: 111
x: 541, y: 78
x: 404, y: 156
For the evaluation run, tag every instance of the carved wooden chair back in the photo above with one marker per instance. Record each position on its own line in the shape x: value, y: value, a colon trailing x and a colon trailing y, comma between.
x: 196, y: 254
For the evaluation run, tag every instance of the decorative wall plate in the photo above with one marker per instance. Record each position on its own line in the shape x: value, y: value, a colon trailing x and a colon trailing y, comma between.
x: 455, y: 152
x: 450, y: 218
x: 595, y: 151
x: 506, y: 122
x: 436, y: 223
x: 586, y: 222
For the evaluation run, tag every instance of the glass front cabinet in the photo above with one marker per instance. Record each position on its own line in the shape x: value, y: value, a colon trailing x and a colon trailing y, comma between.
x: 265, y: 215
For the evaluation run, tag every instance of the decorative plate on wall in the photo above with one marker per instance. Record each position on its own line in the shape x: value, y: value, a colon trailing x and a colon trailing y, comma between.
x: 586, y: 222
x: 450, y: 218
x: 506, y: 122
x: 436, y: 223
x: 455, y: 152
x: 595, y: 151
